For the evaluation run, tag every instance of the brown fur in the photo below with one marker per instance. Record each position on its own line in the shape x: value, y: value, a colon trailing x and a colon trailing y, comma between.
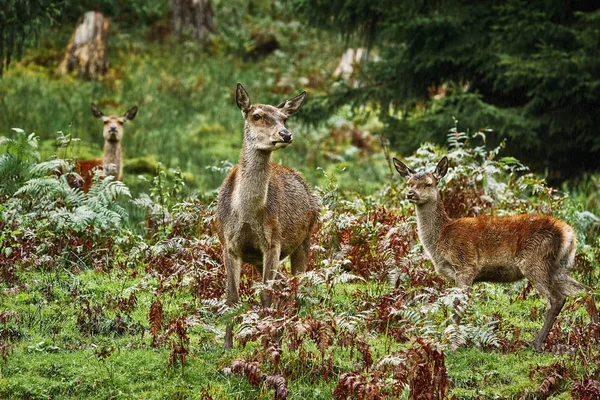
x: 112, y: 158
x: 495, y: 249
x: 265, y: 211
x: 86, y: 170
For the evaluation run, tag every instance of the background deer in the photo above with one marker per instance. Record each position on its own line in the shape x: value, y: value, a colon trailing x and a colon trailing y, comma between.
x: 265, y: 211
x: 495, y: 249
x: 112, y: 159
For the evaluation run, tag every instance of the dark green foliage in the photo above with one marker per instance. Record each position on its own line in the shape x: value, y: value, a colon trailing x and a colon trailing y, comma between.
x: 20, y: 22
x: 132, y: 11
x: 530, y: 69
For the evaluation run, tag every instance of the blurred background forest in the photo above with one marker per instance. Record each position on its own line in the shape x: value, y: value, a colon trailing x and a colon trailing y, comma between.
x: 523, y: 72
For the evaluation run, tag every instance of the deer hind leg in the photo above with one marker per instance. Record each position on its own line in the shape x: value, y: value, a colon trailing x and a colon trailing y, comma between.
x: 551, y: 291
x: 233, y: 266
x: 571, y: 286
x: 555, y: 304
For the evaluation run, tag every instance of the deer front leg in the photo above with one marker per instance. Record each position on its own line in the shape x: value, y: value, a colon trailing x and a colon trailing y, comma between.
x: 233, y: 267
x: 270, y: 266
x: 445, y: 269
x: 299, y: 258
x: 463, y: 279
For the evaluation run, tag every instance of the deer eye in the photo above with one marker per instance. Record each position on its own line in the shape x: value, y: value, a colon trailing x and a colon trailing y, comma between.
x: 428, y: 184
x: 256, y: 117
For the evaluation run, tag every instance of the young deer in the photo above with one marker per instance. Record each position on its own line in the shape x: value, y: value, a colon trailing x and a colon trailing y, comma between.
x: 494, y: 249
x: 265, y: 211
x: 112, y: 159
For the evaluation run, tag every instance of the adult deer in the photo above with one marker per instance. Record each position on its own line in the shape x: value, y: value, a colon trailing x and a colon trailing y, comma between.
x: 495, y: 249
x: 112, y: 158
x: 265, y: 211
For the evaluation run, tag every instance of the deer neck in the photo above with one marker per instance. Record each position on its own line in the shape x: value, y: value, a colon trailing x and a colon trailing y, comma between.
x: 113, y: 156
x: 431, y: 218
x: 252, y: 183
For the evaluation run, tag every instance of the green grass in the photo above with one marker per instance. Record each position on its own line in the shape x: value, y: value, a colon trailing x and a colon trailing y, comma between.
x: 187, y: 114
x: 478, y: 374
x: 53, y: 359
x: 188, y: 119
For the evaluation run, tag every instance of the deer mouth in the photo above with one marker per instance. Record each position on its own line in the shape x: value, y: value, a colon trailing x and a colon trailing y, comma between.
x: 412, y: 198
x: 281, y: 143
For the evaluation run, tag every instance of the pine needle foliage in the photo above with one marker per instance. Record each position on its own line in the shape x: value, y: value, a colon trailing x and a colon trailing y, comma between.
x: 20, y: 22
x: 527, y: 68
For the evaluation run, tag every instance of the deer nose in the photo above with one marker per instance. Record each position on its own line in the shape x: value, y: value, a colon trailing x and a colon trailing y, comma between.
x: 411, y: 194
x: 286, y: 136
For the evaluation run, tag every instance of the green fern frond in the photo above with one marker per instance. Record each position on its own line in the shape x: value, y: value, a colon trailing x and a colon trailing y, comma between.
x: 46, y: 187
x: 22, y: 146
x: 56, y: 165
x: 107, y: 189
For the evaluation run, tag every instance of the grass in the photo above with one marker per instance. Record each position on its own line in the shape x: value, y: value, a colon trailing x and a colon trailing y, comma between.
x: 187, y: 116
x: 53, y: 360
x: 78, y: 333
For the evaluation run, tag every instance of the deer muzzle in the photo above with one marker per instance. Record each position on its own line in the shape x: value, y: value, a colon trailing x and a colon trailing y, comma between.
x: 286, y: 136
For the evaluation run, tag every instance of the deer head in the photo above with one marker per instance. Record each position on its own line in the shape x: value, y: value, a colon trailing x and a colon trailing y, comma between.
x: 113, y: 126
x: 422, y: 186
x: 264, y: 125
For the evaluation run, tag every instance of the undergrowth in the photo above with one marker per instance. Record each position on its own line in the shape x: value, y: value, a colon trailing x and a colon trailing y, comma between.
x: 370, y: 319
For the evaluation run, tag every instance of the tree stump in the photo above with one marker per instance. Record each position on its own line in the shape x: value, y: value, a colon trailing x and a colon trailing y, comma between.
x: 87, y: 49
x: 349, y: 64
x: 196, y: 17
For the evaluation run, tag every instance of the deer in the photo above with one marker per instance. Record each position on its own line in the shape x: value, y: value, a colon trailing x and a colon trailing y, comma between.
x: 112, y: 159
x: 265, y: 211
x: 500, y: 249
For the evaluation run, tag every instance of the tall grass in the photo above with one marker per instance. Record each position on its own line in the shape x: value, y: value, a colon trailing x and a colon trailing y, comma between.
x: 187, y: 115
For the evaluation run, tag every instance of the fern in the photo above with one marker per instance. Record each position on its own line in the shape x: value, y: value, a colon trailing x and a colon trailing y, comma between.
x: 21, y: 153
x: 56, y: 165
x: 39, y: 195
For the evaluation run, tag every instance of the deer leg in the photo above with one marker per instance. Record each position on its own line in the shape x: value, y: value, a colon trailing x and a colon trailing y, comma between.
x: 571, y: 286
x: 233, y: 266
x: 556, y: 304
x: 447, y: 270
x: 550, y: 289
x: 299, y: 257
x: 463, y: 281
x: 270, y: 266
x: 595, y: 318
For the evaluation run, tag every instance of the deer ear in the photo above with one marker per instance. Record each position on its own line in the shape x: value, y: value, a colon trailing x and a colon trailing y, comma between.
x: 442, y: 168
x: 96, y: 111
x: 291, y: 106
x: 131, y: 113
x: 402, y: 169
x: 242, y: 98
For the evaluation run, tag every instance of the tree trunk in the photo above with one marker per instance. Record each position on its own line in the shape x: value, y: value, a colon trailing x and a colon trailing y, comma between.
x: 87, y: 49
x: 195, y: 17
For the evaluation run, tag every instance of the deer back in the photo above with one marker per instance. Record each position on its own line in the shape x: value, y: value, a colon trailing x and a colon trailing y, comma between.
x: 501, y: 249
